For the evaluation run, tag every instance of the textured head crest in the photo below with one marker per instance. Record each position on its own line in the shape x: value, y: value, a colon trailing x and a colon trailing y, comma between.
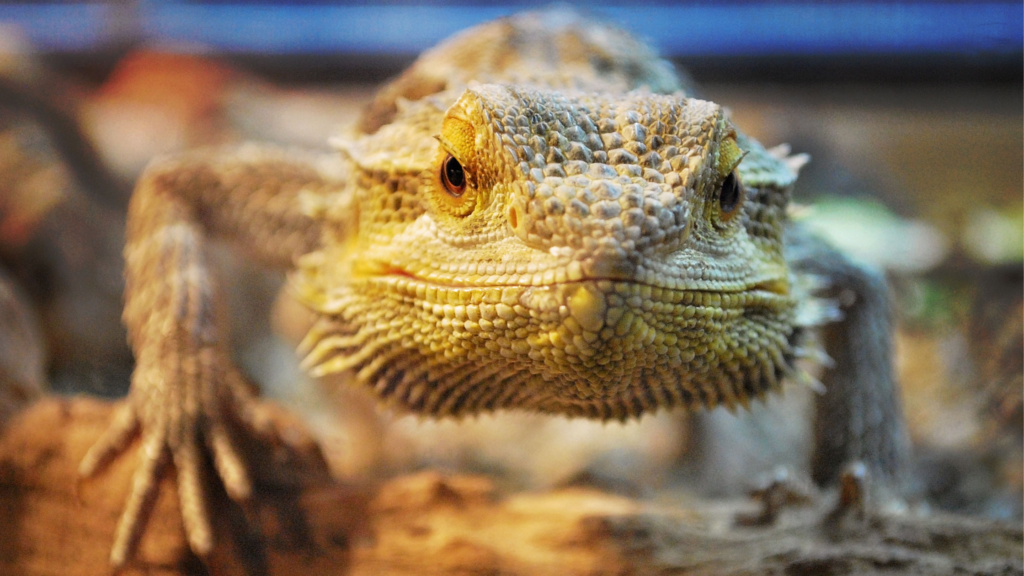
x: 594, y: 258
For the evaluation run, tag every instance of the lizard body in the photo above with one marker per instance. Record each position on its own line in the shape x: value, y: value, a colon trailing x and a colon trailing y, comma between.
x: 533, y: 216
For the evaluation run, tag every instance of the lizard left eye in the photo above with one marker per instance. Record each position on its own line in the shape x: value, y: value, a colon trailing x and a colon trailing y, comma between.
x: 731, y: 194
x: 453, y: 176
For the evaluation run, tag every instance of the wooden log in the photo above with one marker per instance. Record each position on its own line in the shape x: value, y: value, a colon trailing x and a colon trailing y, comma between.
x: 305, y: 523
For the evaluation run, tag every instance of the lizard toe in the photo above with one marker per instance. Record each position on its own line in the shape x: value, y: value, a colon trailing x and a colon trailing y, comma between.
x: 141, y: 498
x: 229, y: 463
x: 192, y: 497
x: 122, y: 429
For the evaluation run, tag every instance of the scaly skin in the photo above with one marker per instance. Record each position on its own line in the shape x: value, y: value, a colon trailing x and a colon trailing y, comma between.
x: 587, y: 269
x: 533, y: 216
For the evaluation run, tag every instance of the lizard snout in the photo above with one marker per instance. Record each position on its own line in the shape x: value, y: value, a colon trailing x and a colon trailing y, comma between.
x: 600, y: 216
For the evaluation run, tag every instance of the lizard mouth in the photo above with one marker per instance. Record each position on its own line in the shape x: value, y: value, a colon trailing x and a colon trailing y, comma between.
x: 778, y: 285
x: 599, y: 347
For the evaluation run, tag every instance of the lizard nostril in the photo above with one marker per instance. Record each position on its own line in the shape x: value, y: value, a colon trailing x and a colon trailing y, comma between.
x: 515, y: 216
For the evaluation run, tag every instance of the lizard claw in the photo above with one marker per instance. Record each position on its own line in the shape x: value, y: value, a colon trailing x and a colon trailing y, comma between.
x: 140, y: 500
x: 122, y: 429
x: 229, y: 464
x: 180, y: 424
x: 192, y: 499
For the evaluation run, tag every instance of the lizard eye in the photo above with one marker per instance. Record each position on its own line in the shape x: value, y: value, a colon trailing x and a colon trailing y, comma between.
x: 453, y: 176
x: 730, y: 195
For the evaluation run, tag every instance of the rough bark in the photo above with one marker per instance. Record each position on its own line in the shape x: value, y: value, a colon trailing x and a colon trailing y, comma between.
x: 427, y: 524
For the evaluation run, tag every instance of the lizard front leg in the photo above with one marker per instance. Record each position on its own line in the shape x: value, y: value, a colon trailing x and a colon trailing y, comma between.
x: 859, y: 416
x: 186, y: 395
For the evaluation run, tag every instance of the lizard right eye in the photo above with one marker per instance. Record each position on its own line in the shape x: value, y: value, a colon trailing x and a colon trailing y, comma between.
x: 453, y: 176
x: 731, y: 194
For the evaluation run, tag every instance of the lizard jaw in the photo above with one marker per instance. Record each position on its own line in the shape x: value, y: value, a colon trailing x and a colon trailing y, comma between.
x: 588, y: 347
x: 572, y: 272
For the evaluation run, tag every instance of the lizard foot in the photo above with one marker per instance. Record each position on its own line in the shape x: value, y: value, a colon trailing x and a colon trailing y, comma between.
x: 210, y: 415
x: 780, y: 491
x: 860, y: 497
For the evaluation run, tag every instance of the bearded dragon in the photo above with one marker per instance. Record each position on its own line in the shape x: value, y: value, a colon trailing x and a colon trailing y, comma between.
x: 534, y: 216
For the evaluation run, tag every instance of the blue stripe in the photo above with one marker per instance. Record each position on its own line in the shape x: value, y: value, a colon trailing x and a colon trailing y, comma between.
x: 59, y: 27
x: 751, y: 28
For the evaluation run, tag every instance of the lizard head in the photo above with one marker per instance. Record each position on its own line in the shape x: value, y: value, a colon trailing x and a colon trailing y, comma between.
x: 576, y: 253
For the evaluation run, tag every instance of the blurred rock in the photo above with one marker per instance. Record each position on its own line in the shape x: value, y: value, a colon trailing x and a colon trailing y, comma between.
x: 22, y: 353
